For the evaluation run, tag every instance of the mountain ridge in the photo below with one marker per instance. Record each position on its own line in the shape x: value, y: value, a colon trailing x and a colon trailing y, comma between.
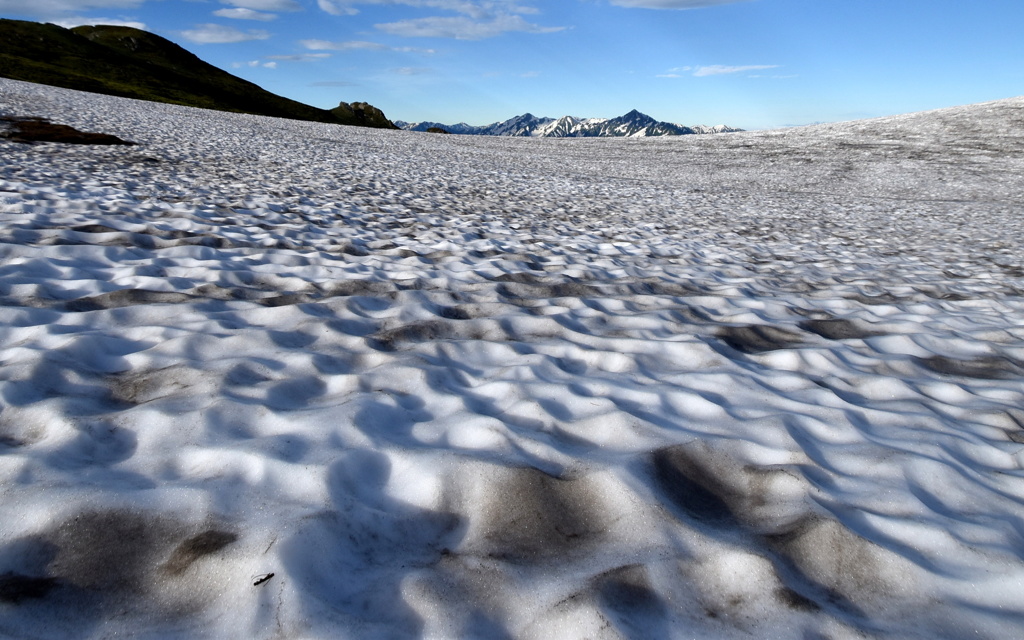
x: 132, y: 63
x: 630, y: 125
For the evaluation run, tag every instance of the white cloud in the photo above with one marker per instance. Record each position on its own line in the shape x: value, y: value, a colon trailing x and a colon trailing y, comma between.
x: 478, y: 9
x: 337, y: 8
x: 54, y: 8
x: 219, y: 34
x: 238, y: 13
x: 265, y: 5
x: 674, y: 72
x: 462, y: 28
x: 672, y: 4
x: 478, y: 19
x: 718, y: 69
x: 412, y: 71
x: 358, y: 45
x: 350, y: 45
x: 116, y: 22
x: 254, y: 64
x: 301, y: 57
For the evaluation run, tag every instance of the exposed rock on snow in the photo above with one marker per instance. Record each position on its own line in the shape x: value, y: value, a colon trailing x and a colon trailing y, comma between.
x: 362, y: 114
x: 29, y: 129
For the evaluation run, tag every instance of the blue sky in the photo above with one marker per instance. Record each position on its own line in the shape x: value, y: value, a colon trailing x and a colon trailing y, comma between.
x: 749, y: 63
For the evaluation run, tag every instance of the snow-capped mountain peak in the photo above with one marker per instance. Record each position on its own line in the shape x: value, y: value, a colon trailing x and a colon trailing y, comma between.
x: 632, y: 124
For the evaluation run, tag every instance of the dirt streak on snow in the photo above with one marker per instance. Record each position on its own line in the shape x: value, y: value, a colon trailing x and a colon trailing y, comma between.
x: 752, y: 385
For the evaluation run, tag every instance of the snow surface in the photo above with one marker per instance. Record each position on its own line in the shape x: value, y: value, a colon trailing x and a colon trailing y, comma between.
x: 763, y: 385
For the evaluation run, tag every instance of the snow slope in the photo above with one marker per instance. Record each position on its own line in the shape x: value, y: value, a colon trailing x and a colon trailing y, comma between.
x: 762, y: 385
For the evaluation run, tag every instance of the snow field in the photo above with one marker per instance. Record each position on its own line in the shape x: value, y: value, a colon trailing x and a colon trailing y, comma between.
x: 763, y: 384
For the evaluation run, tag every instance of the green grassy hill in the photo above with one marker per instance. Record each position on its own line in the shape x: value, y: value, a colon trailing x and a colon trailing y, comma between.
x: 123, y: 61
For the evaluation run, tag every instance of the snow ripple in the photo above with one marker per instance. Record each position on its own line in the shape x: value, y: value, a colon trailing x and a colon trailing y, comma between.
x: 760, y: 384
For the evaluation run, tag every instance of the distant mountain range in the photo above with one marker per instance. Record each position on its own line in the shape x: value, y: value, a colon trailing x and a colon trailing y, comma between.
x: 132, y: 63
x: 632, y: 125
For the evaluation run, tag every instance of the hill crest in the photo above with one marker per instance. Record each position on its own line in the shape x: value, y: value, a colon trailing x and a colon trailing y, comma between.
x: 132, y: 63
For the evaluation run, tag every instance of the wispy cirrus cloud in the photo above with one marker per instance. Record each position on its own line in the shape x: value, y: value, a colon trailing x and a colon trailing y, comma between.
x: 719, y: 69
x: 358, y: 45
x: 265, y: 5
x: 337, y: 7
x: 675, y: 72
x: 254, y: 63
x: 479, y: 9
x: 412, y: 71
x: 54, y: 8
x: 672, y: 4
x: 300, y: 57
x: 713, y: 70
x: 462, y: 27
x: 219, y: 34
x: 476, y: 19
x: 240, y: 13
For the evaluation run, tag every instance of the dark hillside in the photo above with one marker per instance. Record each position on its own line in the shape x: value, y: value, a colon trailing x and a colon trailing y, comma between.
x: 131, y: 63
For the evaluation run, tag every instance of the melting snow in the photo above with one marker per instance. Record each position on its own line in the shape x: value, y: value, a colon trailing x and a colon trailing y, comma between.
x: 274, y: 379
